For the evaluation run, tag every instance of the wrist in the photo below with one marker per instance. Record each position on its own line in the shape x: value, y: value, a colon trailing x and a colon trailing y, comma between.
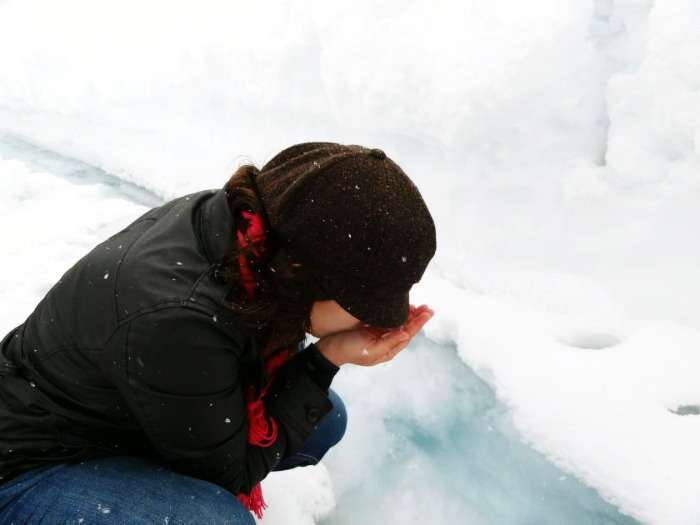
x: 318, y: 367
x: 326, y: 350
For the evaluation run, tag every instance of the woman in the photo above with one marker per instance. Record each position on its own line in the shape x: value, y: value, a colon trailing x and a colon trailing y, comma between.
x: 166, y: 370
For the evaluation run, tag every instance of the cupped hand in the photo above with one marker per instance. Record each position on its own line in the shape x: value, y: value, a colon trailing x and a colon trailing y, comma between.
x: 369, y: 345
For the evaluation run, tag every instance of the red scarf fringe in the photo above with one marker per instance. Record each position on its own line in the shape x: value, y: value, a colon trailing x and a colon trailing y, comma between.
x: 256, y: 233
x: 262, y: 429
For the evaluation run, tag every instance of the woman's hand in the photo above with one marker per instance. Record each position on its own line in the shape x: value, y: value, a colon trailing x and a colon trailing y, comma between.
x: 368, y: 346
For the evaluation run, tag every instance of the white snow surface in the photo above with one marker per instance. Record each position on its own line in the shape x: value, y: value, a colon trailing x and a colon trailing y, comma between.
x: 555, y: 141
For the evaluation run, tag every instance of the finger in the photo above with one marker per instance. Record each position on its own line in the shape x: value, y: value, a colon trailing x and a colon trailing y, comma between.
x: 414, y: 325
x: 398, y: 347
x: 378, y: 332
x: 373, y: 331
x: 424, y: 309
x: 393, y: 352
x: 415, y: 312
x: 390, y: 340
x: 409, y: 325
x: 412, y: 313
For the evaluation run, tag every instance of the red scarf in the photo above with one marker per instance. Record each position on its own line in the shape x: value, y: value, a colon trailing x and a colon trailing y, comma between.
x: 262, y: 429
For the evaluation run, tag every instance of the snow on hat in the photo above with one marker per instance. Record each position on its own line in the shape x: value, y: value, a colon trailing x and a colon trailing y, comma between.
x: 355, y: 220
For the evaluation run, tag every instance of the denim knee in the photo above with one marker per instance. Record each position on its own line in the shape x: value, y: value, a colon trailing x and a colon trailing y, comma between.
x: 199, y: 501
x: 213, y: 505
x: 329, y: 431
x: 339, y: 417
x: 123, y: 489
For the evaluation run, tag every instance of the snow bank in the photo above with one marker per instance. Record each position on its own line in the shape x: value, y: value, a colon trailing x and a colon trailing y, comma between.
x: 40, y: 210
x: 655, y: 108
x: 603, y: 401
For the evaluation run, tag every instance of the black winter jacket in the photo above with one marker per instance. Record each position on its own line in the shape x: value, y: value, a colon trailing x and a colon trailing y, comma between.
x: 132, y: 352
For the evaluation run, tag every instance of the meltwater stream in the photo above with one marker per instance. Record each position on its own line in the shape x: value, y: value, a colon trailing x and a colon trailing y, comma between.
x: 462, y: 462
x: 426, y: 442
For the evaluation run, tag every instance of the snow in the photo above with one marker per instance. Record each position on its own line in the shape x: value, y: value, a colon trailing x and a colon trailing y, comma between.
x: 555, y: 143
x: 600, y: 411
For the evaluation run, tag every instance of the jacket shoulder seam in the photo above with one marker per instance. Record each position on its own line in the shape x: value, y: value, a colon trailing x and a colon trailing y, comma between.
x: 164, y: 305
x: 119, y: 267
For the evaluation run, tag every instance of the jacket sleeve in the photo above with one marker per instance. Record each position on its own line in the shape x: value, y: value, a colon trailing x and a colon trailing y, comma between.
x: 319, y: 368
x: 179, y: 373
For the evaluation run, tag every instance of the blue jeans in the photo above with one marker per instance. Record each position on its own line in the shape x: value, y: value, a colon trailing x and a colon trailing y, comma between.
x: 130, y: 490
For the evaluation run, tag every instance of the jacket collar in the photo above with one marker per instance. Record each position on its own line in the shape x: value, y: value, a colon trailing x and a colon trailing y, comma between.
x: 215, y: 226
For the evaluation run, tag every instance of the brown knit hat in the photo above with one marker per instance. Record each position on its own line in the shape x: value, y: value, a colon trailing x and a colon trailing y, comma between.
x: 355, y: 220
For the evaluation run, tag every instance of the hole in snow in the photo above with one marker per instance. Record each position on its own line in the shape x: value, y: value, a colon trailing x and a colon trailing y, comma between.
x: 589, y: 340
x: 686, y: 410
